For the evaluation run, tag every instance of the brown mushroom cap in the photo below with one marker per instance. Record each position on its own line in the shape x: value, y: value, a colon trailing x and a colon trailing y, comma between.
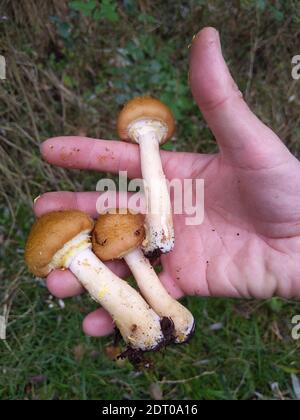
x: 144, y: 107
x: 49, y: 234
x: 117, y: 234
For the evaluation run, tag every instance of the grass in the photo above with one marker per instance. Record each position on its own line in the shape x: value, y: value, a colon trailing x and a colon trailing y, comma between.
x: 68, y: 72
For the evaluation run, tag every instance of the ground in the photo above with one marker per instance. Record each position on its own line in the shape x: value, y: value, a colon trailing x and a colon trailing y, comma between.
x: 70, y: 66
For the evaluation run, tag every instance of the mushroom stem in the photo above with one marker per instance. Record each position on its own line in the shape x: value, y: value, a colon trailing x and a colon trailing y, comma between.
x: 159, y: 224
x: 137, y: 322
x: 157, y: 296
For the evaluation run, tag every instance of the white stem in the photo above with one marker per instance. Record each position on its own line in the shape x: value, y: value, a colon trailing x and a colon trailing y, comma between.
x: 137, y: 322
x: 157, y: 296
x: 159, y: 223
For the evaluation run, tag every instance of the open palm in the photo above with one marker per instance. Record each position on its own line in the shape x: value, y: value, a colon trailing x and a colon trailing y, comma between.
x: 249, y: 242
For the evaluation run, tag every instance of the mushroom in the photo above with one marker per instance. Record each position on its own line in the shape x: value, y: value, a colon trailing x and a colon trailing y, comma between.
x: 119, y: 235
x: 62, y: 240
x: 150, y: 123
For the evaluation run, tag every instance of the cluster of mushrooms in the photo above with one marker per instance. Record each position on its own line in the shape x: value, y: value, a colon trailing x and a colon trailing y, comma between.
x: 149, y: 318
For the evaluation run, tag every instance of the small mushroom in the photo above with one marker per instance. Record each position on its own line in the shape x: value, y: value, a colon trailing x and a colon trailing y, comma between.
x: 62, y: 240
x: 120, y: 235
x: 150, y: 123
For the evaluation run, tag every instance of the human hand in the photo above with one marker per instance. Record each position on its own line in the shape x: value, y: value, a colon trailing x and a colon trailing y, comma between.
x: 249, y: 243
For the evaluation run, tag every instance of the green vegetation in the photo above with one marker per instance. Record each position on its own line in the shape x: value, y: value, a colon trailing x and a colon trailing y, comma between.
x: 70, y: 66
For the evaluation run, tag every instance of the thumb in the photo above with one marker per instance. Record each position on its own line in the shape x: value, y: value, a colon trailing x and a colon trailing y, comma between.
x: 241, y: 136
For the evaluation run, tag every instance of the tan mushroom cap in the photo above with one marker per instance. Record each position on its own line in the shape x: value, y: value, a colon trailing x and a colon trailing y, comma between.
x: 144, y: 107
x: 117, y: 234
x: 49, y: 234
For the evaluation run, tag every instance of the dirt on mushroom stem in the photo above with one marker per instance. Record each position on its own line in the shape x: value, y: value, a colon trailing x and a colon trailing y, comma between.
x: 137, y: 357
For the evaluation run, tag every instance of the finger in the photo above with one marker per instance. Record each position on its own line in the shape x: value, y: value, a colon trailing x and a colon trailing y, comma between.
x: 98, y: 323
x: 240, y: 134
x: 63, y: 200
x: 92, y: 203
x: 99, y: 155
x: 63, y: 284
x: 86, y: 153
x: 109, y: 156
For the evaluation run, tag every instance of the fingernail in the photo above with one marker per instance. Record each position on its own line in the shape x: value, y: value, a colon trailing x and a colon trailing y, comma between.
x: 193, y: 39
x: 36, y: 199
x: 45, y: 147
x: 215, y: 37
x: 213, y: 31
x: 214, y: 34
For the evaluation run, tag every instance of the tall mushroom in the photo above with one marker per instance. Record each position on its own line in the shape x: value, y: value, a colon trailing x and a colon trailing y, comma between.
x: 120, y: 235
x: 62, y: 240
x: 150, y: 123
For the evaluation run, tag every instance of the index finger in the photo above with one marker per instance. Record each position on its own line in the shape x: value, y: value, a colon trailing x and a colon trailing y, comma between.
x: 92, y: 154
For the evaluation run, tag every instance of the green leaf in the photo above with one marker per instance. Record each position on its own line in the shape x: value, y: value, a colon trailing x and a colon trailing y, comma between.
x: 278, y: 14
x: 130, y: 6
x: 69, y: 81
x: 63, y: 28
x: 289, y: 369
x: 261, y: 5
x: 100, y: 88
x: 145, y: 18
x: 275, y: 304
x: 86, y: 8
x: 168, y: 146
x: 107, y: 11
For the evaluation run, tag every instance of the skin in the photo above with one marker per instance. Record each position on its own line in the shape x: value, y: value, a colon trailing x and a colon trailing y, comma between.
x: 249, y: 243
